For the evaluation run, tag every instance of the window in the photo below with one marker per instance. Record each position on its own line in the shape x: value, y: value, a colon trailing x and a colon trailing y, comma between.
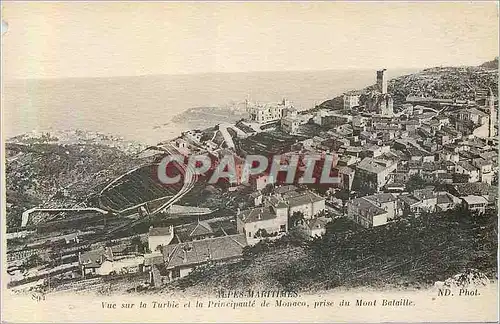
x: 249, y: 234
x: 282, y: 228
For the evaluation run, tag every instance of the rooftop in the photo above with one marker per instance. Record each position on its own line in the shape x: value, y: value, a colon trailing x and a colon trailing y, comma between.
x: 373, y: 165
x: 368, y: 208
x: 475, y: 200
x: 257, y: 214
x: 196, y: 252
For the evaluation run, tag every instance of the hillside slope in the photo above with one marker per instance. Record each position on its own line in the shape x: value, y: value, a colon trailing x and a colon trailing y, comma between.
x: 61, y: 170
x: 412, y: 253
x: 438, y: 82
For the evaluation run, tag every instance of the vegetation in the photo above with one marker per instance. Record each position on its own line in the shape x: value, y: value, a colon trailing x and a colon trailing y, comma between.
x: 414, y: 252
x: 40, y: 171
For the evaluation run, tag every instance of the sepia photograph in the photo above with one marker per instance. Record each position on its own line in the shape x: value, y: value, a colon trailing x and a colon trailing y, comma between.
x: 249, y: 161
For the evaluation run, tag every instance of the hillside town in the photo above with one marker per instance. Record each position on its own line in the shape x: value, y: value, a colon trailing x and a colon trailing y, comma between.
x: 396, y: 159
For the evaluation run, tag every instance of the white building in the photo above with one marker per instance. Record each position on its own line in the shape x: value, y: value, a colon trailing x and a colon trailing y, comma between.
x: 351, y: 99
x: 265, y: 113
x: 159, y: 236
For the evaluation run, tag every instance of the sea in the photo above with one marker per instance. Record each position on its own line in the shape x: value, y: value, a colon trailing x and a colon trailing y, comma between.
x: 142, y: 108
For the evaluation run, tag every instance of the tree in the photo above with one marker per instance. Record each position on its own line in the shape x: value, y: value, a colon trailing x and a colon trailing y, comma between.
x: 262, y: 233
x: 138, y: 244
x: 296, y: 218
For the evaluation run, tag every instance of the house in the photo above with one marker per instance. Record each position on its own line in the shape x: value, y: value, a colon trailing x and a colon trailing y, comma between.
x: 194, y: 231
x: 466, y: 168
x: 485, y: 169
x: 121, y: 265
x: 180, y: 259
x: 346, y: 175
x: 427, y: 198
x: 330, y: 118
x: 351, y: 99
x: 386, y: 201
x: 366, y: 213
x: 409, y: 205
x: 91, y: 261
x: 159, y: 236
x: 261, y: 181
x: 372, y: 174
x: 446, y: 201
x: 476, y: 204
x: 316, y: 227
x: 290, y: 124
x: 306, y: 202
x: 269, y: 221
x: 256, y: 198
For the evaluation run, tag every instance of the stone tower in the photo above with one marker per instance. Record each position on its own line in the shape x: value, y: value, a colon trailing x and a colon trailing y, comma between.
x: 382, y: 81
x: 490, y: 104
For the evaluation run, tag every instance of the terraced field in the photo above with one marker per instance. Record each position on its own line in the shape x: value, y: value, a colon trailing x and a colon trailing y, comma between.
x: 137, y: 188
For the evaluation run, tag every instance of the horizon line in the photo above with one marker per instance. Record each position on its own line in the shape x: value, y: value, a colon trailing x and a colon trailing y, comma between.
x: 231, y: 72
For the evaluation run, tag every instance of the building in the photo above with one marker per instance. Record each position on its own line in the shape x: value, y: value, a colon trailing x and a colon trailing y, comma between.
x: 490, y: 105
x: 91, y: 261
x: 261, y: 181
x: 351, y: 99
x: 306, y: 202
x: 485, y: 169
x: 382, y: 81
x: 386, y: 201
x: 330, y: 119
x: 316, y: 227
x: 474, y: 115
x: 372, y: 174
x: 290, y: 124
x: 199, y: 230
x: 366, y: 213
x: 381, y: 104
x: 180, y: 259
x: 270, y: 221
x: 265, y: 113
x: 159, y: 236
x: 446, y: 201
x: 471, y: 172
x: 475, y: 204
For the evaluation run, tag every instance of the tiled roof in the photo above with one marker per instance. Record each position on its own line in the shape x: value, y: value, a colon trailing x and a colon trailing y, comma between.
x: 285, y: 189
x: 467, y: 166
x: 444, y: 198
x: 94, y: 258
x: 319, y: 222
x: 382, y: 197
x: 408, y: 199
x: 372, y: 165
x: 306, y: 197
x: 257, y: 214
x: 196, y: 252
x: 475, y: 199
x: 367, y: 207
x: 476, y: 188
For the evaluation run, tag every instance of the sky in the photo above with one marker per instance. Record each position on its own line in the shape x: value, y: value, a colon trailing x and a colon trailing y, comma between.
x: 106, y: 39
